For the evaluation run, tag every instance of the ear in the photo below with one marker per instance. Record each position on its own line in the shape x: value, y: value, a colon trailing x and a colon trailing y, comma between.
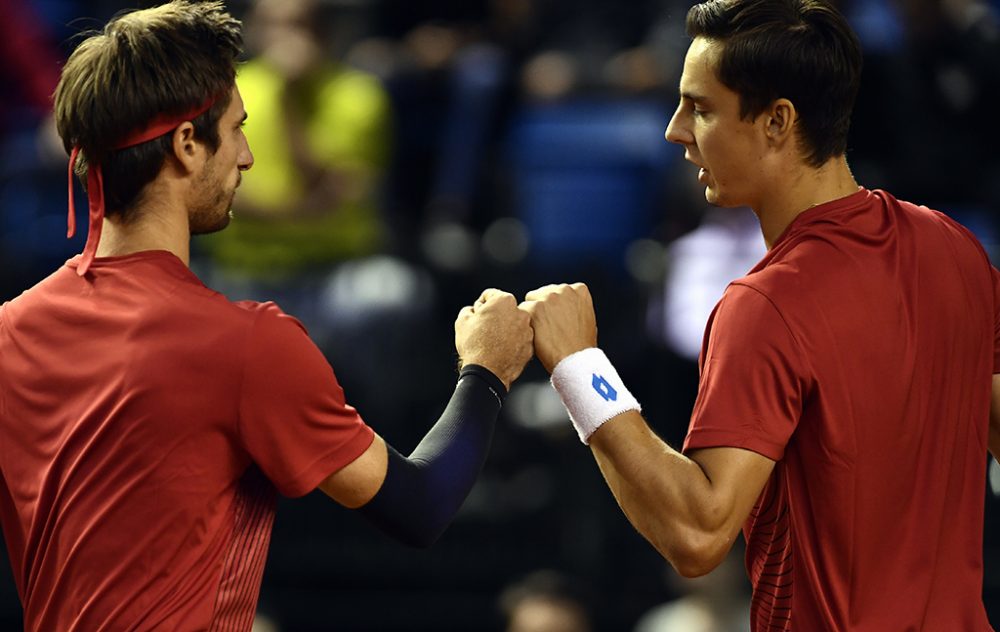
x: 779, y: 122
x: 186, y: 149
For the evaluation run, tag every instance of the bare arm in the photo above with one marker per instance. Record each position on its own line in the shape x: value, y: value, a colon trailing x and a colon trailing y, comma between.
x: 995, y: 418
x: 690, y: 508
x: 357, y: 482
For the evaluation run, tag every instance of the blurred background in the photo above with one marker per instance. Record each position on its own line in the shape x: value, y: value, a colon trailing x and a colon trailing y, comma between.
x: 410, y: 153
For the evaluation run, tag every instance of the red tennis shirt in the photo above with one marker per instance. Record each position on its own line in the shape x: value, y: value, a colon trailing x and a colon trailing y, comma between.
x: 858, y: 355
x: 145, y: 423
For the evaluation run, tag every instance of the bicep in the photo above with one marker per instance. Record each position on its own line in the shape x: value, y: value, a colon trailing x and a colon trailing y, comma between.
x: 737, y: 477
x: 357, y: 482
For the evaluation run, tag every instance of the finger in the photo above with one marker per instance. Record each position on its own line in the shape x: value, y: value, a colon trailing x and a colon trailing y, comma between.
x: 584, y: 291
x: 528, y: 307
x: 541, y: 293
x: 491, y: 293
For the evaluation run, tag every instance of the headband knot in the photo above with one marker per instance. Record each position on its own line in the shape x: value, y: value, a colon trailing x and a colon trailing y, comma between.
x: 95, y: 180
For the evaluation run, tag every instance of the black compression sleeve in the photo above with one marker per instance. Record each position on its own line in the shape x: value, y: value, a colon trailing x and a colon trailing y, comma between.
x: 421, y: 493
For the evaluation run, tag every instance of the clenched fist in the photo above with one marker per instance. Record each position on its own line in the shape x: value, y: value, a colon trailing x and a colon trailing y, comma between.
x: 562, y: 317
x: 494, y: 334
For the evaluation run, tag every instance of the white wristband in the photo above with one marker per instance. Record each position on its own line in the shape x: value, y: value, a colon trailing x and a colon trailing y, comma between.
x: 591, y: 390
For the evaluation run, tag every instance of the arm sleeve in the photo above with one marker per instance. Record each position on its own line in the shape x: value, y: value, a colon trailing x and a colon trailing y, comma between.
x: 423, y: 492
x: 293, y: 419
x: 753, y: 379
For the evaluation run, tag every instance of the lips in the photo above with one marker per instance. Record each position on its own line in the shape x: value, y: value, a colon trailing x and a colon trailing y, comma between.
x: 688, y: 157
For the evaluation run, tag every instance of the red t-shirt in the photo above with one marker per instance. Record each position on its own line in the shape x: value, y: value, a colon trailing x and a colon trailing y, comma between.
x: 145, y: 422
x: 858, y: 355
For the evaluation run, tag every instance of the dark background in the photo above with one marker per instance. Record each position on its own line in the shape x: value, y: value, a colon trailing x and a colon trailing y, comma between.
x: 482, y: 190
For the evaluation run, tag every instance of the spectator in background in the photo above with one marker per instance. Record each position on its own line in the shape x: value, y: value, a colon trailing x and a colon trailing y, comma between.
x: 31, y: 68
x: 927, y: 102
x: 322, y: 136
x: 546, y: 601
x: 717, y: 602
x: 699, y: 265
x: 29, y: 74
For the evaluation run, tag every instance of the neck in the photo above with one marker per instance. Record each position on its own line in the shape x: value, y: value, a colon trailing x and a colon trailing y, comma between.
x: 154, y: 226
x: 801, y: 190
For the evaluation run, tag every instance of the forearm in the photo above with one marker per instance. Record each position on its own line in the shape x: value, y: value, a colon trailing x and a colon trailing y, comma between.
x: 422, y: 493
x: 665, y: 495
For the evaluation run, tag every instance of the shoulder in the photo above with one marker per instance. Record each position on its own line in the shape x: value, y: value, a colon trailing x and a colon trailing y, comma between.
x: 751, y: 300
x: 773, y: 284
x: 266, y: 315
x: 943, y: 229
x: 34, y: 297
x: 921, y: 213
x: 762, y: 308
x: 273, y: 333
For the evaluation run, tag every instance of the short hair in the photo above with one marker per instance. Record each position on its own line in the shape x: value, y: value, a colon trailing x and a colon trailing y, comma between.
x: 801, y: 50
x: 166, y: 60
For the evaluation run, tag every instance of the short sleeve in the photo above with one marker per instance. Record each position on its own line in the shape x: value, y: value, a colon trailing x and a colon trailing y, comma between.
x: 293, y: 418
x: 753, y: 379
x: 996, y: 319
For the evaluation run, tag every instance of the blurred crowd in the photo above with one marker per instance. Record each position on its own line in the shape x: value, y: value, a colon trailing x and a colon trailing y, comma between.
x: 408, y: 154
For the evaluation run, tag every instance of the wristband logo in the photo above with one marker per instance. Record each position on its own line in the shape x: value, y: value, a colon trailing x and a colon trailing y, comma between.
x: 603, y: 388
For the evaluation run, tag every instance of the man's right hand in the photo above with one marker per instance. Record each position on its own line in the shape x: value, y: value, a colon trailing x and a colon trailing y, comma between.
x: 562, y: 317
x: 495, y: 334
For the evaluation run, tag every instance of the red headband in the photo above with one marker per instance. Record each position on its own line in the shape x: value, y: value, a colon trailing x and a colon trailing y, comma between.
x: 95, y: 182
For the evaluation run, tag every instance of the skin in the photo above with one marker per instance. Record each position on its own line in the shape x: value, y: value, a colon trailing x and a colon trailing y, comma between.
x: 193, y: 194
x: 753, y: 162
x: 691, y: 507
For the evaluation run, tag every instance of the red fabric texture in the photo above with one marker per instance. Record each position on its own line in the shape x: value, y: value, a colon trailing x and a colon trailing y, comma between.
x: 145, y: 422
x: 858, y: 355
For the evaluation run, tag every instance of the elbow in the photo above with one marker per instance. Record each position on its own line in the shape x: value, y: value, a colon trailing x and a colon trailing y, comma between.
x: 698, y: 554
x: 695, y: 567
x: 421, y: 533
x: 423, y: 539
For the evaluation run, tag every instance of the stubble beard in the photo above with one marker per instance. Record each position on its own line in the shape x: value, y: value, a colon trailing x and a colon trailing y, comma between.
x: 215, y: 212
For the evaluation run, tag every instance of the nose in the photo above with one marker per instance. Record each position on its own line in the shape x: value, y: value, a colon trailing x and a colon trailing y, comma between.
x: 245, y: 159
x: 677, y: 131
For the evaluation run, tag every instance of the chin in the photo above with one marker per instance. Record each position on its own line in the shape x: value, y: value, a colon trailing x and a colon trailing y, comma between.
x: 212, y: 226
x: 716, y: 198
x: 712, y: 196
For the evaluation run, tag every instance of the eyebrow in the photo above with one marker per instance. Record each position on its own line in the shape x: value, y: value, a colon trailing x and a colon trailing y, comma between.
x: 693, y: 97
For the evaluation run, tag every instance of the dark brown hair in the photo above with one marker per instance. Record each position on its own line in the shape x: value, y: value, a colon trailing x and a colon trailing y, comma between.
x: 800, y: 50
x: 166, y: 60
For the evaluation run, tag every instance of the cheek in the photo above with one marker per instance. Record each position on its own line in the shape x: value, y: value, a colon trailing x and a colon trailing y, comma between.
x: 729, y: 156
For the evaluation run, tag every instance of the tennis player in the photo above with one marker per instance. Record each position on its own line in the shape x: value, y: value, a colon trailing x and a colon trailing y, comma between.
x: 146, y: 422
x: 844, y: 409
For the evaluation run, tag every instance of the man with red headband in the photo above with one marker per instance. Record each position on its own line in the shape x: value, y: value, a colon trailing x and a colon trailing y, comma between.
x: 146, y: 422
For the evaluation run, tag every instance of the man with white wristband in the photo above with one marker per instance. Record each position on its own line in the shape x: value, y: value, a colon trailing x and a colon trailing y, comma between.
x: 850, y: 383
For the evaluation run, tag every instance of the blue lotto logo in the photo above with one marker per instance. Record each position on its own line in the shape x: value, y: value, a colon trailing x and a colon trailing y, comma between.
x: 604, y: 389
